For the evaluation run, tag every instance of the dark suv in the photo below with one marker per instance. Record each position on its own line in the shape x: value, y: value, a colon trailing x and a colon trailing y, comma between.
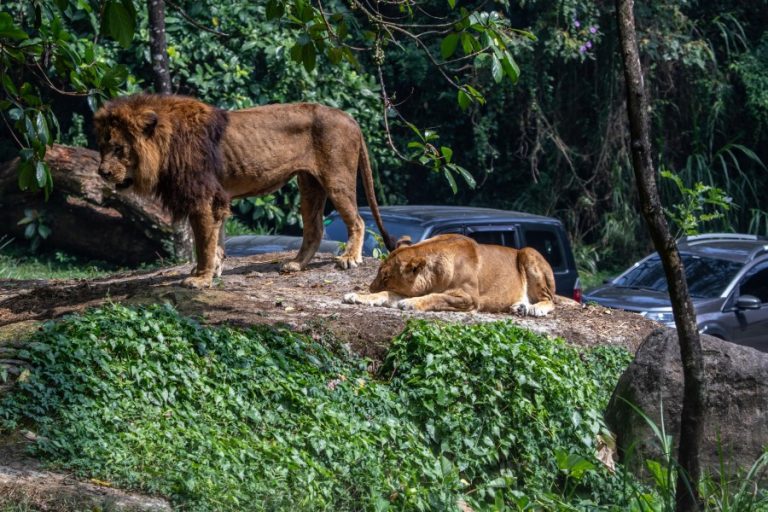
x: 485, y: 225
x: 727, y: 277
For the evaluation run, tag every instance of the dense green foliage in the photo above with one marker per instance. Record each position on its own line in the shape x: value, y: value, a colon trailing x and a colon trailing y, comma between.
x: 554, y: 142
x: 267, y: 419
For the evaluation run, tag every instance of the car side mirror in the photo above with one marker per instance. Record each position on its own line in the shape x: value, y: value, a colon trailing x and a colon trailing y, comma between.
x: 748, y: 302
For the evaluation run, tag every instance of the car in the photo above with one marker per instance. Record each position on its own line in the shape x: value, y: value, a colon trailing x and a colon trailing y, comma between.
x: 485, y: 225
x: 727, y: 276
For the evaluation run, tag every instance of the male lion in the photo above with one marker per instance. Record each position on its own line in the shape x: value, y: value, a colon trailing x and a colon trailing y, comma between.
x: 196, y: 158
x: 455, y: 273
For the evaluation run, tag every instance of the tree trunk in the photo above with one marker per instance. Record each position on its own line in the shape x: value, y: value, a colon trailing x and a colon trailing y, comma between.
x: 687, y: 497
x: 157, y: 46
x: 182, y: 234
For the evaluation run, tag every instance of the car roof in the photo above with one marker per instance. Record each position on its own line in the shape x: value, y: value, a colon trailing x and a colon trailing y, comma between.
x: 427, y: 215
x: 725, y: 246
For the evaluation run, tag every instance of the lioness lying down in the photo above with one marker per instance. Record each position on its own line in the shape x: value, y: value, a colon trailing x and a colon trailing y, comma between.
x: 455, y: 273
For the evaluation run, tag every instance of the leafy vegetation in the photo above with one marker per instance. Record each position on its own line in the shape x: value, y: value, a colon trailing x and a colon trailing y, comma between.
x: 220, y: 418
x: 553, y: 142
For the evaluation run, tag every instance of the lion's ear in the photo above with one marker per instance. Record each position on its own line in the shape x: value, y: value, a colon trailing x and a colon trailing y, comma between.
x: 148, y: 122
x: 403, y: 241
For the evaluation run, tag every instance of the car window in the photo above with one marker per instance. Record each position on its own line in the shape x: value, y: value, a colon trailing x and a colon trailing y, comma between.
x: 706, y: 277
x: 547, y: 243
x: 335, y: 229
x: 487, y: 237
x: 756, y: 283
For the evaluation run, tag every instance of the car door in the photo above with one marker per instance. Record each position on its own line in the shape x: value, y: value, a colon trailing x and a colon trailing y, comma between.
x: 750, y: 326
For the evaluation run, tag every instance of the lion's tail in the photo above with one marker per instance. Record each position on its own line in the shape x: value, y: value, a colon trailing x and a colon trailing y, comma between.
x: 364, y: 168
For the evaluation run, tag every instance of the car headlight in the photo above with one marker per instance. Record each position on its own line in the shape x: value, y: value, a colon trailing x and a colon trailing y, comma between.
x: 665, y: 317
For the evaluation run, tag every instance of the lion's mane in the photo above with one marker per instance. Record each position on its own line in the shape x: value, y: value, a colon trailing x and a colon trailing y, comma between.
x: 177, y: 142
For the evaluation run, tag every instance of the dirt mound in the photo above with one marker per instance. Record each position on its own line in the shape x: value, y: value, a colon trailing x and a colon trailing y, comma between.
x: 252, y: 291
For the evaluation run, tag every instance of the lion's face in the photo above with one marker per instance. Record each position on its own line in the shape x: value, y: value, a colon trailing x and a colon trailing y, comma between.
x: 402, y: 274
x: 129, y: 154
x: 118, y: 158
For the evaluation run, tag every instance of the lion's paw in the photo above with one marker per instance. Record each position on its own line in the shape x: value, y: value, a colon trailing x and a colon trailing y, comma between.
x: 290, y: 266
x: 197, y: 282
x: 347, y: 262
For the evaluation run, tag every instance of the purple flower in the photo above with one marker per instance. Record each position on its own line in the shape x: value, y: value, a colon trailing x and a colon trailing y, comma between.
x: 589, y: 44
x: 576, y: 23
x: 593, y: 30
x: 582, y: 49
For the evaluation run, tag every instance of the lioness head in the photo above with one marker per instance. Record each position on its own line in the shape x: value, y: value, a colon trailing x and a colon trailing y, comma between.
x: 129, y: 153
x: 403, y: 273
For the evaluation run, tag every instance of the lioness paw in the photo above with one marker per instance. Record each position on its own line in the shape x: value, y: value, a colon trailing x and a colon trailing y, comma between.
x: 352, y: 298
x: 408, y: 304
x: 523, y: 309
x: 520, y: 309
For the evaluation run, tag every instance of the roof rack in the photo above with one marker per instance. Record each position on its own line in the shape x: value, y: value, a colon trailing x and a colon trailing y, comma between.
x: 720, y: 236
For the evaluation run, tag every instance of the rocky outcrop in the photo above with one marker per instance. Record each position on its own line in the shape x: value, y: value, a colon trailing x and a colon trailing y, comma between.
x: 736, y: 402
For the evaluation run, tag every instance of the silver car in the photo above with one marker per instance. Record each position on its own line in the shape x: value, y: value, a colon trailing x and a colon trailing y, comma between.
x: 727, y: 277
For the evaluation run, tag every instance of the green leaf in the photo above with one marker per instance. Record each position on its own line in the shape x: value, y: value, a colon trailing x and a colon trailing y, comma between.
x: 496, y: 71
x: 448, y: 45
x: 8, y: 29
x: 463, y: 99
x: 41, y: 126
x: 447, y: 153
x: 309, y: 57
x: 467, y: 43
x: 120, y: 21
x: 43, y: 230
x: 275, y: 9
x: 452, y: 4
x: 511, y: 68
x: 464, y: 174
x: 451, y: 180
x: 41, y: 172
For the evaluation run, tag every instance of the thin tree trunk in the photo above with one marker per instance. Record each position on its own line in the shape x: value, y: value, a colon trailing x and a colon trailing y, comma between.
x: 182, y: 234
x: 157, y: 46
x: 687, y: 497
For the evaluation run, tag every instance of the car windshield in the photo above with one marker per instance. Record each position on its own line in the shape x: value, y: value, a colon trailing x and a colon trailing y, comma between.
x: 707, y: 277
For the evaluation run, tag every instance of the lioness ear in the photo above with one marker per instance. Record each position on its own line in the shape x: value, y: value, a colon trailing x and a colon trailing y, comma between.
x: 403, y: 241
x: 148, y: 122
x: 415, y: 265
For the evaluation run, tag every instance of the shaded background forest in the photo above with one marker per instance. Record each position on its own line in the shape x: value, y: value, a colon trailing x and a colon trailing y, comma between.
x: 555, y: 143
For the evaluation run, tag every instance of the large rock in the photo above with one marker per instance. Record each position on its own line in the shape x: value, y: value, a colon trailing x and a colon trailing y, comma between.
x: 87, y: 217
x: 736, y: 402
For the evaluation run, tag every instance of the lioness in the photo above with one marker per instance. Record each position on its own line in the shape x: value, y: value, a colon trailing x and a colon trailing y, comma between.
x: 455, y: 273
x: 196, y: 158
